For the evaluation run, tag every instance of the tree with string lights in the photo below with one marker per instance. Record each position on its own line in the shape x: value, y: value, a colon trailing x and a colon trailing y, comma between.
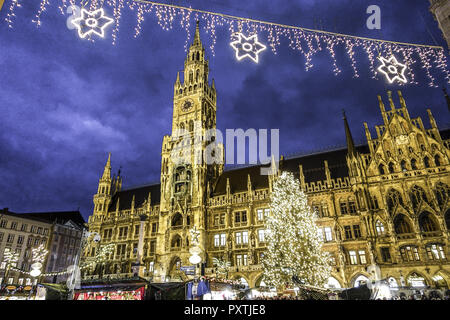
x: 294, y: 252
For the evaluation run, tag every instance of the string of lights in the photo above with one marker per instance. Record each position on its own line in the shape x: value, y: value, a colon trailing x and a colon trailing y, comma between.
x: 307, y: 41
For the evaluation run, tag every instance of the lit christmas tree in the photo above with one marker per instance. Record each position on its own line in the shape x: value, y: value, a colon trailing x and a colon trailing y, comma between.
x: 294, y: 244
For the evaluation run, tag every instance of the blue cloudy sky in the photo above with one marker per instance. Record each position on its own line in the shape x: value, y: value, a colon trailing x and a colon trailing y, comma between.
x: 65, y: 102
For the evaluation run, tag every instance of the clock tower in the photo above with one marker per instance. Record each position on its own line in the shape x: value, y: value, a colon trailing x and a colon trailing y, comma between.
x: 185, y: 177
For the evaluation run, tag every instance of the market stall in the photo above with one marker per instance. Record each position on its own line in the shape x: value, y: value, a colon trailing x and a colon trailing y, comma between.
x: 117, y: 289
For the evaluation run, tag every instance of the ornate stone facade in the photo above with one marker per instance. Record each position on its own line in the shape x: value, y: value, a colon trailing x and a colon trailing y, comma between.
x: 385, y: 203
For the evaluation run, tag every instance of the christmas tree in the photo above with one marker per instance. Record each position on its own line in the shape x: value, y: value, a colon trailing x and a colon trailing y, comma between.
x: 294, y: 244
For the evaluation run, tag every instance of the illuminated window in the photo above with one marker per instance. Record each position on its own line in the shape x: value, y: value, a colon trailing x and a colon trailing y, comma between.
x: 223, y: 239
x: 216, y: 240
x: 362, y: 256
x: 320, y: 232
x: 380, y: 228
x: 244, y: 237
x: 261, y: 234
x: 328, y: 234
x: 238, y: 238
x: 353, y: 258
x: 260, y: 214
x: 436, y: 252
x: 409, y: 253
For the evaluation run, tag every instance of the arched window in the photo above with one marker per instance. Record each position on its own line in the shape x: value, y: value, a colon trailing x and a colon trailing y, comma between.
x: 177, y: 220
x: 401, y: 225
x: 393, y: 200
x: 413, y: 164
x: 417, y: 195
x: 191, y: 76
x: 391, y: 167
x: 426, y: 222
x: 437, y: 160
x: 380, y: 228
x: 381, y: 169
x: 191, y: 126
x: 176, y: 242
x: 198, y: 56
x: 403, y: 165
x: 442, y: 192
x: 426, y: 162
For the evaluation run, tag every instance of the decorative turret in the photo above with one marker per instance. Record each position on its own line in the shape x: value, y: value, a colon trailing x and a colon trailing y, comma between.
x: 103, y: 196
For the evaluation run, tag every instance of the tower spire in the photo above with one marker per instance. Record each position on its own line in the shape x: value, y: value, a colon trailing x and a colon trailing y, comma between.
x: 107, y: 170
x: 348, y: 135
x: 197, y: 41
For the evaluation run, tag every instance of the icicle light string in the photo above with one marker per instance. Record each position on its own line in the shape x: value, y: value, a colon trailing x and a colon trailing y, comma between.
x: 305, y: 40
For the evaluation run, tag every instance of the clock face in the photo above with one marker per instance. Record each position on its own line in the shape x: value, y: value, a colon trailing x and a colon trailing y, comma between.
x: 187, y: 105
x: 403, y: 139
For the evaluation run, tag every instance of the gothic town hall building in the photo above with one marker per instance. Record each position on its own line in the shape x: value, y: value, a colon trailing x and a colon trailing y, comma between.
x: 384, y: 203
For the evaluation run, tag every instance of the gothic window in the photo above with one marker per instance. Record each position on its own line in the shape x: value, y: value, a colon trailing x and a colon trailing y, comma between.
x: 437, y: 160
x: 380, y: 228
x: 388, y: 153
x: 401, y: 225
x: 426, y: 162
x: 176, y: 242
x: 391, y: 167
x: 381, y: 169
x: 343, y: 207
x: 426, y: 222
x: 393, y: 200
x: 188, y: 220
x: 197, y: 75
x: 413, y: 164
x: 198, y: 56
x: 316, y: 209
x: 442, y: 193
x: 403, y: 165
x: 191, y: 77
x: 409, y: 253
x: 400, y: 152
x: 417, y: 195
x: 422, y: 147
x: 190, y: 88
x: 352, y: 207
x: 436, y: 252
x: 191, y: 126
x: 177, y: 220
x: 410, y: 149
x: 324, y: 209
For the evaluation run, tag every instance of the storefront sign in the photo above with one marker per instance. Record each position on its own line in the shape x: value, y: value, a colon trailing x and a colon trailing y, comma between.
x: 188, y: 270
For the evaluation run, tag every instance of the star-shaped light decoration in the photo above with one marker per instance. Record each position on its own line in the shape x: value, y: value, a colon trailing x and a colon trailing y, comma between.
x: 392, y: 69
x: 247, y: 47
x: 92, y: 22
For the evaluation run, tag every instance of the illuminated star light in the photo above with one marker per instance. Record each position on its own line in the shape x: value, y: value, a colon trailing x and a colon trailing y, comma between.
x: 392, y: 69
x: 247, y: 47
x: 92, y: 22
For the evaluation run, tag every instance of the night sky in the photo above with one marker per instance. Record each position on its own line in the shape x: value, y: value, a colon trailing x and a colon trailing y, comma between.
x: 65, y: 102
